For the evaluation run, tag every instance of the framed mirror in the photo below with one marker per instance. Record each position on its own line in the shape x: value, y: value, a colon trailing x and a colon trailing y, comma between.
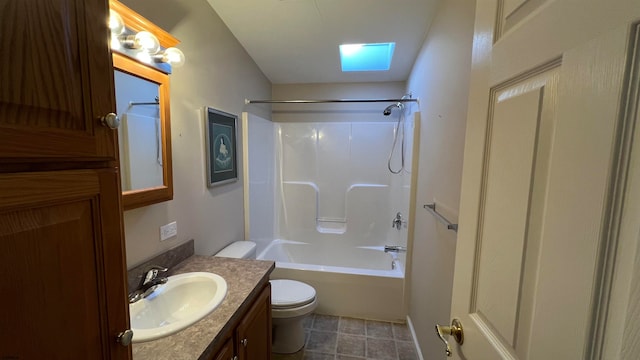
x: 144, y: 136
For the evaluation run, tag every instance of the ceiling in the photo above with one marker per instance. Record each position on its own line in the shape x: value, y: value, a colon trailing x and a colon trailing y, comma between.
x: 296, y: 41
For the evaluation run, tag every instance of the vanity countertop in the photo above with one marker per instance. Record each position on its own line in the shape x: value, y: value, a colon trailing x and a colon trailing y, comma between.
x: 245, y: 279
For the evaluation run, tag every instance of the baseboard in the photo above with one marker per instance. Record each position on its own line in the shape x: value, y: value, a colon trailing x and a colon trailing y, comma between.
x: 415, y: 338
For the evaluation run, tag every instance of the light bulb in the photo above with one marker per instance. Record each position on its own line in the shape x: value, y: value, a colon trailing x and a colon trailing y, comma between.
x: 115, y: 43
x: 173, y: 56
x: 116, y: 24
x: 144, y: 57
x: 147, y: 41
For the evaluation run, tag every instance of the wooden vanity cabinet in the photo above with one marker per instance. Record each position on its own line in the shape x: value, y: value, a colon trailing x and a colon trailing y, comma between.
x: 226, y: 352
x: 251, y: 337
x: 62, y: 262
x: 253, y: 334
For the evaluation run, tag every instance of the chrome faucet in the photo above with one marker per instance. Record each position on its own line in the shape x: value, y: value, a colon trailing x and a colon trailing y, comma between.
x: 394, y: 248
x: 148, y: 283
x: 397, y: 221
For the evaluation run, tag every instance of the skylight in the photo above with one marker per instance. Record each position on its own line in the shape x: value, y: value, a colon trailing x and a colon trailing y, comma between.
x: 366, y: 57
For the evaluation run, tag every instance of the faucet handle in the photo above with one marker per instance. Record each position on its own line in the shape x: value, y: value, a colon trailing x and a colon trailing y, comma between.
x: 158, y: 268
x: 151, y: 273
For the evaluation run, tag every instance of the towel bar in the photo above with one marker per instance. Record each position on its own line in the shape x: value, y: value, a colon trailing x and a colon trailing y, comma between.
x: 432, y: 209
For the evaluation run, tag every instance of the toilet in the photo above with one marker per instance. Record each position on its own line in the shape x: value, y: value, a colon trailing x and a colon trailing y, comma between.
x: 291, y: 302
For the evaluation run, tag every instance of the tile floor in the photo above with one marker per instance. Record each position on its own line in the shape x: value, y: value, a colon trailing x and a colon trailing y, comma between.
x: 341, y: 338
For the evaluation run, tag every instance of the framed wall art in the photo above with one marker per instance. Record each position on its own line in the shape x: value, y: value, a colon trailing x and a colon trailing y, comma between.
x: 222, y: 157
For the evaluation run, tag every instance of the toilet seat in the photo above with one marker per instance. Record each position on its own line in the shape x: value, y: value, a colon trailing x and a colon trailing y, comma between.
x: 288, y: 294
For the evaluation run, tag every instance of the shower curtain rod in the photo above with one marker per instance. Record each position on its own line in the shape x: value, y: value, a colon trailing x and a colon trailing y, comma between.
x: 247, y: 101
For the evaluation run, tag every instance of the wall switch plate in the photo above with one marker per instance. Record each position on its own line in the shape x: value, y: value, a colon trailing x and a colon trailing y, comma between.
x: 168, y: 231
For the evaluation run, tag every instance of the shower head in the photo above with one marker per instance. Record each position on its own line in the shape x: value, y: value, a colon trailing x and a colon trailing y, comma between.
x: 387, y: 110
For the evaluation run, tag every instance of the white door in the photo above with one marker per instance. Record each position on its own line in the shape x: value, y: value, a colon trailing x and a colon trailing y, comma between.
x: 546, y: 112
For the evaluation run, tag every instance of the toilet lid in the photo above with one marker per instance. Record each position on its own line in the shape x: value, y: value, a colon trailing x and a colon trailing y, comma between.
x: 291, y: 293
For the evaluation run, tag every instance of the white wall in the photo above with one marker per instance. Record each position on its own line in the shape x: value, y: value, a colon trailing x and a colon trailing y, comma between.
x: 218, y: 73
x: 440, y: 79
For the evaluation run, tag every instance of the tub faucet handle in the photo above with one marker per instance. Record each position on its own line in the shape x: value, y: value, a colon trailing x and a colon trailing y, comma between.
x: 397, y: 221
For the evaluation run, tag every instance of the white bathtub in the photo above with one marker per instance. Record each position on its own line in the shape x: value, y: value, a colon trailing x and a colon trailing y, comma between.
x: 363, y: 282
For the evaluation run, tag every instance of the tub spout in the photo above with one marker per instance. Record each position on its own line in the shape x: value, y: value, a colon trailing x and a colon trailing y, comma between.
x: 394, y: 248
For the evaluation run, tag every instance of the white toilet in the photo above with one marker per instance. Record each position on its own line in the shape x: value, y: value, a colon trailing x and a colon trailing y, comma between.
x: 291, y: 302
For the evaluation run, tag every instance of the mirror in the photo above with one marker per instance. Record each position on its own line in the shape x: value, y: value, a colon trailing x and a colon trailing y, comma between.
x: 144, y: 136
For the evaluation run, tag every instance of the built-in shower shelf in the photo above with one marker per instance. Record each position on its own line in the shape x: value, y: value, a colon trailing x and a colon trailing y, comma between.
x: 331, y: 226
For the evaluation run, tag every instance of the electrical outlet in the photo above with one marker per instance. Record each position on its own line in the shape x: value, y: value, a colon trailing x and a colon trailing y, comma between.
x: 168, y: 231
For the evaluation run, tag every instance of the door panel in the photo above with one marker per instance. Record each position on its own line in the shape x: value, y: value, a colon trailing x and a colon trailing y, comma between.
x: 516, y: 168
x: 541, y: 144
x: 53, y: 270
x: 253, y: 334
x: 56, y: 62
x: 512, y: 12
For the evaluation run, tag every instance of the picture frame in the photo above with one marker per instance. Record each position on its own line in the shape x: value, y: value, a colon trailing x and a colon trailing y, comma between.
x: 221, y: 146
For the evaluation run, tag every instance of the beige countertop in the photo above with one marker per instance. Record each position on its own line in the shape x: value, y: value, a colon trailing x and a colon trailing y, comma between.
x: 245, y: 279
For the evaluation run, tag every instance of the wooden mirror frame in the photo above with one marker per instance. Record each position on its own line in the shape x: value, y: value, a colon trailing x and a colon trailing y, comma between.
x: 142, y: 197
x: 133, y: 199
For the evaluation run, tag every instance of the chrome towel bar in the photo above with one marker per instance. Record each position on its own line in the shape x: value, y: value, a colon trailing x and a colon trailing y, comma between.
x: 432, y: 209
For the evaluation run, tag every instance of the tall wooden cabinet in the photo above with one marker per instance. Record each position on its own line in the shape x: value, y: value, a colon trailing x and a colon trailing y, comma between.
x: 62, y: 263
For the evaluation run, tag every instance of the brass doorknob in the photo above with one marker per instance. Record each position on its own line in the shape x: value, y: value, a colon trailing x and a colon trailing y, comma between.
x: 454, y: 330
x: 111, y: 120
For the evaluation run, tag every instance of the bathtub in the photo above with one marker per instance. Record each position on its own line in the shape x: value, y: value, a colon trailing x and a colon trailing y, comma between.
x: 362, y: 282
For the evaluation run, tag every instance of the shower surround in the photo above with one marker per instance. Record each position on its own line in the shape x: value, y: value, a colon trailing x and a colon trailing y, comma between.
x: 326, y: 187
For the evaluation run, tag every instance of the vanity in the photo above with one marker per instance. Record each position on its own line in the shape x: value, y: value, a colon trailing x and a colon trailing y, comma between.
x: 238, y: 329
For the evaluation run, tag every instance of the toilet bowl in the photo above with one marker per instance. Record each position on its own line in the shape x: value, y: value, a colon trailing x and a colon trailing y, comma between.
x: 291, y: 302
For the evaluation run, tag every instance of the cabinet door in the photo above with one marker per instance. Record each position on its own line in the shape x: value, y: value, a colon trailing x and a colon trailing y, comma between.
x: 226, y: 353
x: 57, y: 81
x: 62, y: 283
x: 253, y: 334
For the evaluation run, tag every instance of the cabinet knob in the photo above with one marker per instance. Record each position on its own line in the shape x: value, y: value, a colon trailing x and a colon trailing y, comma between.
x: 111, y: 120
x: 235, y: 357
x: 124, y: 338
x: 244, y: 342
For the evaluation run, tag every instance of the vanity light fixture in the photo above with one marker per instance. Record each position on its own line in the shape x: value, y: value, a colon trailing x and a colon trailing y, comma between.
x: 143, y: 40
x: 172, y: 55
x: 116, y: 25
x: 143, y: 45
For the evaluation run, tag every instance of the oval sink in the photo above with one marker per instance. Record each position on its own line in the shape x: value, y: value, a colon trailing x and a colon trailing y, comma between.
x: 182, y: 301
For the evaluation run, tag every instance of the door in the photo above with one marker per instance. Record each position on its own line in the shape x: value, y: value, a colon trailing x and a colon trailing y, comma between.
x: 57, y: 81
x: 226, y: 353
x: 61, y: 266
x: 548, y: 89
x: 62, y: 261
x: 253, y: 334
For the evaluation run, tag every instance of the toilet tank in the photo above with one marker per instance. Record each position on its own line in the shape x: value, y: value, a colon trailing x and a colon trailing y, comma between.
x: 239, y: 250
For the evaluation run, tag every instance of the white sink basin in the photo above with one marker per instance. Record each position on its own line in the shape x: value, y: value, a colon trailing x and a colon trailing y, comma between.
x: 183, y: 300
